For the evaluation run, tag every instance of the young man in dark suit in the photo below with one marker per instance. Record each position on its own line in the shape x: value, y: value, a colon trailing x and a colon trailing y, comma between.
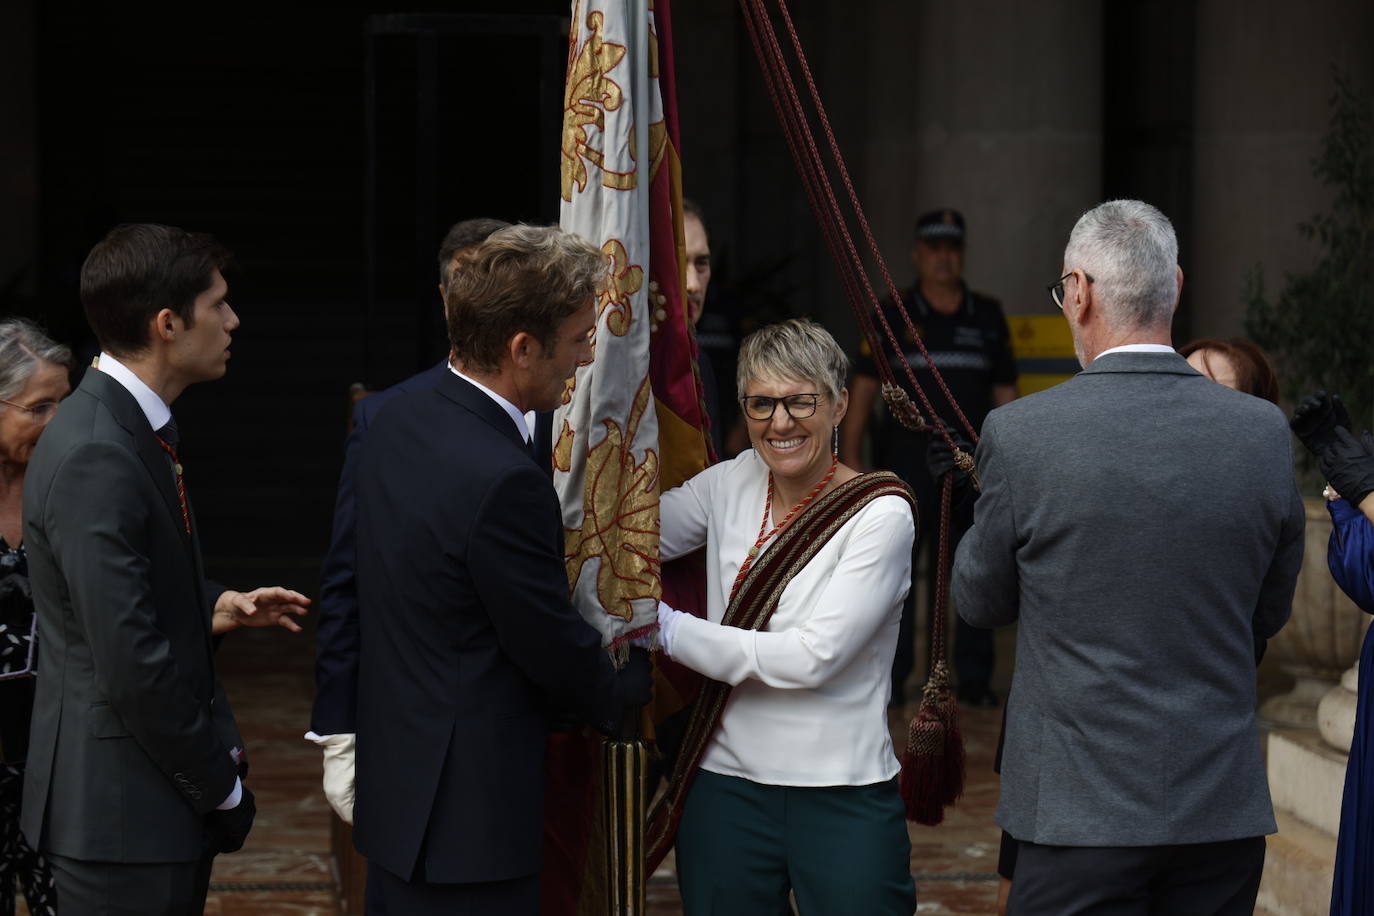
x: 1142, y: 525
x: 135, y: 762
x: 469, y: 639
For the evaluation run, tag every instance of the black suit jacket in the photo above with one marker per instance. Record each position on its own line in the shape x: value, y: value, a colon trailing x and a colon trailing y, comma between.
x: 131, y: 732
x: 467, y: 634
x: 336, y: 634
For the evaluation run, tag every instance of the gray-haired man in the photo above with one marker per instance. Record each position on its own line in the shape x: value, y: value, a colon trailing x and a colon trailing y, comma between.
x: 1142, y: 524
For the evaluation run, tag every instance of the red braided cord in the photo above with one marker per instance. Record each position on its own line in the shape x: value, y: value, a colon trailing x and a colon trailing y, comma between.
x: 765, y: 535
x: 863, y: 221
x: 774, y: 66
x: 937, y: 645
x: 855, y: 281
x: 813, y: 183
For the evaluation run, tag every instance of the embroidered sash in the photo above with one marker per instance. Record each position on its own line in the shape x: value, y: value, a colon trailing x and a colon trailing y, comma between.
x: 753, y: 606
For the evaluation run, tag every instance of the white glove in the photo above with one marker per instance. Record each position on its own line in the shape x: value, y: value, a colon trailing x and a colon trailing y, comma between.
x: 668, y: 620
x: 339, y: 751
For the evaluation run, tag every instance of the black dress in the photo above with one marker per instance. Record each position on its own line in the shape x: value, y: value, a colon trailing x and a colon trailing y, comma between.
x: 17, y: 653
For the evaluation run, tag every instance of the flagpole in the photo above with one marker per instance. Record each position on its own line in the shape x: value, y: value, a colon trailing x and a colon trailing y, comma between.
x: 625, y: 773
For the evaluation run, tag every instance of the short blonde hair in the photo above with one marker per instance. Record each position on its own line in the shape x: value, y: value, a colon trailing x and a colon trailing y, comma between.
x: 797, y: 349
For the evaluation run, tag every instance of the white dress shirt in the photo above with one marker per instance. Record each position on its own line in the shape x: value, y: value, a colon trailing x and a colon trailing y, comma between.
x: 809, y: 705
x: 158, y: 413
x: 1138, y: 348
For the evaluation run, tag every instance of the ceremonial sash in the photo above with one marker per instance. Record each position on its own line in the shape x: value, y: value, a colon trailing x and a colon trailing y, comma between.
x: 751, y: 608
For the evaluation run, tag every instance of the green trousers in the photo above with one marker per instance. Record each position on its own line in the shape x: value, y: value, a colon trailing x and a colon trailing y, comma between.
x: 840, y: 849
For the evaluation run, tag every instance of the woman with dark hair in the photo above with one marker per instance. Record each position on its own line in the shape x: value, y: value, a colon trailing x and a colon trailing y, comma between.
x: 33, y: 379
x: 1236, y: 363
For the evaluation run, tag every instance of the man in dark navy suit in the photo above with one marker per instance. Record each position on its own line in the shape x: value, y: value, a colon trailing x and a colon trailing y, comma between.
x: 333, y: 720
x: 469, y: 639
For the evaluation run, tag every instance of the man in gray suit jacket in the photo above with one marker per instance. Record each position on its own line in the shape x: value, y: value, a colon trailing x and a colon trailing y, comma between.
x: 1142, y: 525
x: 134, y: 770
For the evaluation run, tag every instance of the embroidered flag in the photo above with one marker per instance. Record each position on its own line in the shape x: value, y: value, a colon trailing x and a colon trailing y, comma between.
x: 633, y: 422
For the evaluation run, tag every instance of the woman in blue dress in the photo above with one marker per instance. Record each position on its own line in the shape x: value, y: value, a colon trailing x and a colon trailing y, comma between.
x: 1348, y: 463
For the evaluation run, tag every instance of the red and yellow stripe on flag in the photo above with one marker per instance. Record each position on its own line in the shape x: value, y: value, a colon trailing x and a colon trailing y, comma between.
x: 633, y: 422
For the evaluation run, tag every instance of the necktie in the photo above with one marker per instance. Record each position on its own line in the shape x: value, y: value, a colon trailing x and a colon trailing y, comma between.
x: 168, y: 437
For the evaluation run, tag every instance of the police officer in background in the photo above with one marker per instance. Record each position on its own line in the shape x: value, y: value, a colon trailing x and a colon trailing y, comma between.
x: 966, y: 335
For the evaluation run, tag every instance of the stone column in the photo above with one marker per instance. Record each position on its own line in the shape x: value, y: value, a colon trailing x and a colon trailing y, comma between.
x: 1336, y: 711
x: 993, y: 109
x: 1263, y: 83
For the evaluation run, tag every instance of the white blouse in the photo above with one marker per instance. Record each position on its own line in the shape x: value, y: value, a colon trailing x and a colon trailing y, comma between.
x: 809, y: 706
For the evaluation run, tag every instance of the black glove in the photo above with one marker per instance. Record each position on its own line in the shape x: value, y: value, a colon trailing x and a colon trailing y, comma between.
x: 634, y: 683
x: 1348, y: 463
x: 940, y: 461
x: 1317, y: 418
x: 633, y: 690
x: 228, y: 829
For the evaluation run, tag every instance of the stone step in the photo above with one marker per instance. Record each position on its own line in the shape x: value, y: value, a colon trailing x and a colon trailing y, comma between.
x: 1298, y: 865
x: 1306, y: 777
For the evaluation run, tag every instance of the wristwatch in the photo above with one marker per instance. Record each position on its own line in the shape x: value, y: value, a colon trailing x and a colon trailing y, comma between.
x: 1330, y: 494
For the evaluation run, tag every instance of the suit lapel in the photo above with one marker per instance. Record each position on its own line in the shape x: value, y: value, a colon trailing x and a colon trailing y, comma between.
x: 467, y: 395
x: 125, y: 409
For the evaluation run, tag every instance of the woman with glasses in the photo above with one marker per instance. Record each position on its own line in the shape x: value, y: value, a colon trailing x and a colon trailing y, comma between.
x: 787, y: 779
x: 33, y: 379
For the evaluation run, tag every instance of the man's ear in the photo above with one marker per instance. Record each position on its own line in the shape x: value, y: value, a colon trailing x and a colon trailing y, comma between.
x: 523, y: 349
x: 1082, y: 298
x: 1178, y: 294
x: 164, y: 325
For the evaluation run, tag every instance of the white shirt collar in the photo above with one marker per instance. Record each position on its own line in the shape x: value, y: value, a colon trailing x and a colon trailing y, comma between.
x: 518, y: 418
x: 1138, y: 348
x: 157, y: 412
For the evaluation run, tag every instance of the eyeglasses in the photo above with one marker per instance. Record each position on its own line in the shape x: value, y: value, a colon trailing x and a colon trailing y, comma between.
x: 798, y: 406
x: 43, y: 411
x: 1057, y: 288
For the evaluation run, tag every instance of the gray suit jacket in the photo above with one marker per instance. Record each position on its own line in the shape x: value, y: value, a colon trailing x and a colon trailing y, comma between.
x: 1143, y: 525
x: 131, y: 733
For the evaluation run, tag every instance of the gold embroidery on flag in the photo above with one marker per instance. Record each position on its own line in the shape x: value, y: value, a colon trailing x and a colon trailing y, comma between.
x: 623, y: 280
x: 588, y: 95
x: 620, y: 516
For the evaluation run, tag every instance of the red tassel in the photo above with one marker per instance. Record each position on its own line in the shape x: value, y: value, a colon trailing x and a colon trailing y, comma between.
x: 933, y: 764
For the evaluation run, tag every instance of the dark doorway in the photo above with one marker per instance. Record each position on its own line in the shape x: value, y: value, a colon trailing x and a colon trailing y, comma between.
x: 253, y: 125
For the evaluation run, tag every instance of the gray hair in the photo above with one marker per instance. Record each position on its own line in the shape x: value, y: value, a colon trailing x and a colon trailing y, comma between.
x: 797, y: 350
x: 1131, y: 251
x: 23, y: 345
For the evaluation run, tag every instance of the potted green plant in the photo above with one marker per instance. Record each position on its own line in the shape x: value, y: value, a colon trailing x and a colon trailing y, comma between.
x: 1320, y: 331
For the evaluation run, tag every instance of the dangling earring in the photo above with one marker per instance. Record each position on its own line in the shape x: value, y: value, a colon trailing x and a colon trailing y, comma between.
x: 835, y: 441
